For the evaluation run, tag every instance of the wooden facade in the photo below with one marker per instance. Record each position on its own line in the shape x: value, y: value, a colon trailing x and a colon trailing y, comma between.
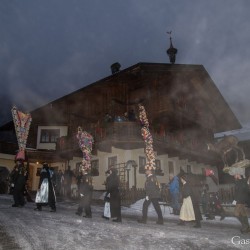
x: 183, y: 105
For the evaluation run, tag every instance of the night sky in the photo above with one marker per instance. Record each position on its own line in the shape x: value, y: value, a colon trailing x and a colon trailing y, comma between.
x: 50, y: 48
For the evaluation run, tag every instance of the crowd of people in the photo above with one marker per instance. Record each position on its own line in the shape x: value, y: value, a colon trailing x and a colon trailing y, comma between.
x: 185, y: 198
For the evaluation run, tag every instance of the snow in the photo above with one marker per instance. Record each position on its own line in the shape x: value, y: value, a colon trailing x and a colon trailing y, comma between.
x: 24, y: 228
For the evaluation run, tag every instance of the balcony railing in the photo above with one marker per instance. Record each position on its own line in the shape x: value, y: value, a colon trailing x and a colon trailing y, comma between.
x: 129, y: 133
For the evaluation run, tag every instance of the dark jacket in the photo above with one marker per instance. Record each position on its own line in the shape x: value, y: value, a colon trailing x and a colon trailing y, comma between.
x: 241, y: 191
x: 188, y: 191
x: 112, y: 184
x: 152, y: 187
x: 84, y: 187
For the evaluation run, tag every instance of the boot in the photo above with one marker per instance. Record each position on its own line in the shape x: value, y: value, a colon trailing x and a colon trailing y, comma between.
x: 210, y: 217
x: 177, y: 212
x: 160, y: 222
x: 181, y: 223
x: 87, y: 216
x: 197, y: 224
x: 245, y: 224
x: 79, y: 211
x: 142, y: 220
x: 223, y: 214
x: 118, y: 219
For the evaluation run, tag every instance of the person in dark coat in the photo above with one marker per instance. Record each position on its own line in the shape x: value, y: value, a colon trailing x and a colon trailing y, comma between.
x: 241, y: 199
x: 248, y: 199
x: 46, y: 189
x: 68, y: 175
x: 18, y: 178
x: 113, y: 183
x: 153, y: 195
x: 85, y: 196
x: 214, y: 206
x: 12, y: 179
x: 107, y: 195
x: 190, y: 209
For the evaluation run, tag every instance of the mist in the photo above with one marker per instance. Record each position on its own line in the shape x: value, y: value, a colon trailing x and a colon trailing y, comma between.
x: 51, y: 48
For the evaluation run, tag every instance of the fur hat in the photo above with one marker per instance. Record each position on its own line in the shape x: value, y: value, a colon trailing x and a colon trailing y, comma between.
x: 183, y: 176
x: 234, y: 171
x: 107, y: 172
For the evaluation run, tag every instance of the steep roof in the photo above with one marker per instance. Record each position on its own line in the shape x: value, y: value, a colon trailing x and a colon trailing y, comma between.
x: 199, y: 79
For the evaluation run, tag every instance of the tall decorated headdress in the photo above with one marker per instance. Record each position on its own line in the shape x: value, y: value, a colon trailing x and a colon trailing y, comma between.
x: 85, y: 141
x: 148, y: 139
x: 22, y: 123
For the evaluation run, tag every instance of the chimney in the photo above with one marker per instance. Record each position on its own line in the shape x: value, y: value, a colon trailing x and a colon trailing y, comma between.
x: 115, y: 67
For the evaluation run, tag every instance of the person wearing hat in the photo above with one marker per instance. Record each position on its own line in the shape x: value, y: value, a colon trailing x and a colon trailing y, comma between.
x: 190, y: 210
x: 153, y: 195
x: 85, y: 196
x: 106, y: 211
x: 18, y: 179
x: 214, y: 204
x: 46, y: 192
x: 112, y: 185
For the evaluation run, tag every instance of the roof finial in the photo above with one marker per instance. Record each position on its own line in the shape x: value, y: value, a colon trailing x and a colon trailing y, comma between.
x: 171, y: 51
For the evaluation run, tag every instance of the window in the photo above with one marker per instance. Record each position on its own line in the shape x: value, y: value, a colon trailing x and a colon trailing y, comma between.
x: 112, y: 161
x: 78, y: 167
x: 142, y: 163
x: 158, y: 170
x: 95, y: 168
x: 49, y: 135
x: 170, y: 167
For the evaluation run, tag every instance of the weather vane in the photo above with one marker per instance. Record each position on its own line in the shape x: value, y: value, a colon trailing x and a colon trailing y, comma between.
x: 169, y: 32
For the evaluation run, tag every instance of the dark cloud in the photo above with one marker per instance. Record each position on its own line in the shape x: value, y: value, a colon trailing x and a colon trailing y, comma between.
x: 51, y: 48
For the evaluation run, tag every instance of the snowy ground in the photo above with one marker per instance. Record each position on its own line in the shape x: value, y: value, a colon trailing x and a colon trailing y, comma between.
x: 24, y: 228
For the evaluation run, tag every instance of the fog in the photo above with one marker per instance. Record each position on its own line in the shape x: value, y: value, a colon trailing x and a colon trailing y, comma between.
x: 49, y: 49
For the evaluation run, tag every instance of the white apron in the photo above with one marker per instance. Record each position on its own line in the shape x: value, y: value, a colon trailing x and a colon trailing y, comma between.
x: 107, y: 212
x: 42, y: 195
x: 187, y: 210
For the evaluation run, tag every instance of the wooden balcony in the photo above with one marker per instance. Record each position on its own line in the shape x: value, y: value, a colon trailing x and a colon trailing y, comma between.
x: 123, y: 135
x: 127, y: 135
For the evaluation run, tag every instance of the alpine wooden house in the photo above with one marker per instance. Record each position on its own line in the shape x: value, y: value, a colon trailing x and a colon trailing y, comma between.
x: 184, y: 109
